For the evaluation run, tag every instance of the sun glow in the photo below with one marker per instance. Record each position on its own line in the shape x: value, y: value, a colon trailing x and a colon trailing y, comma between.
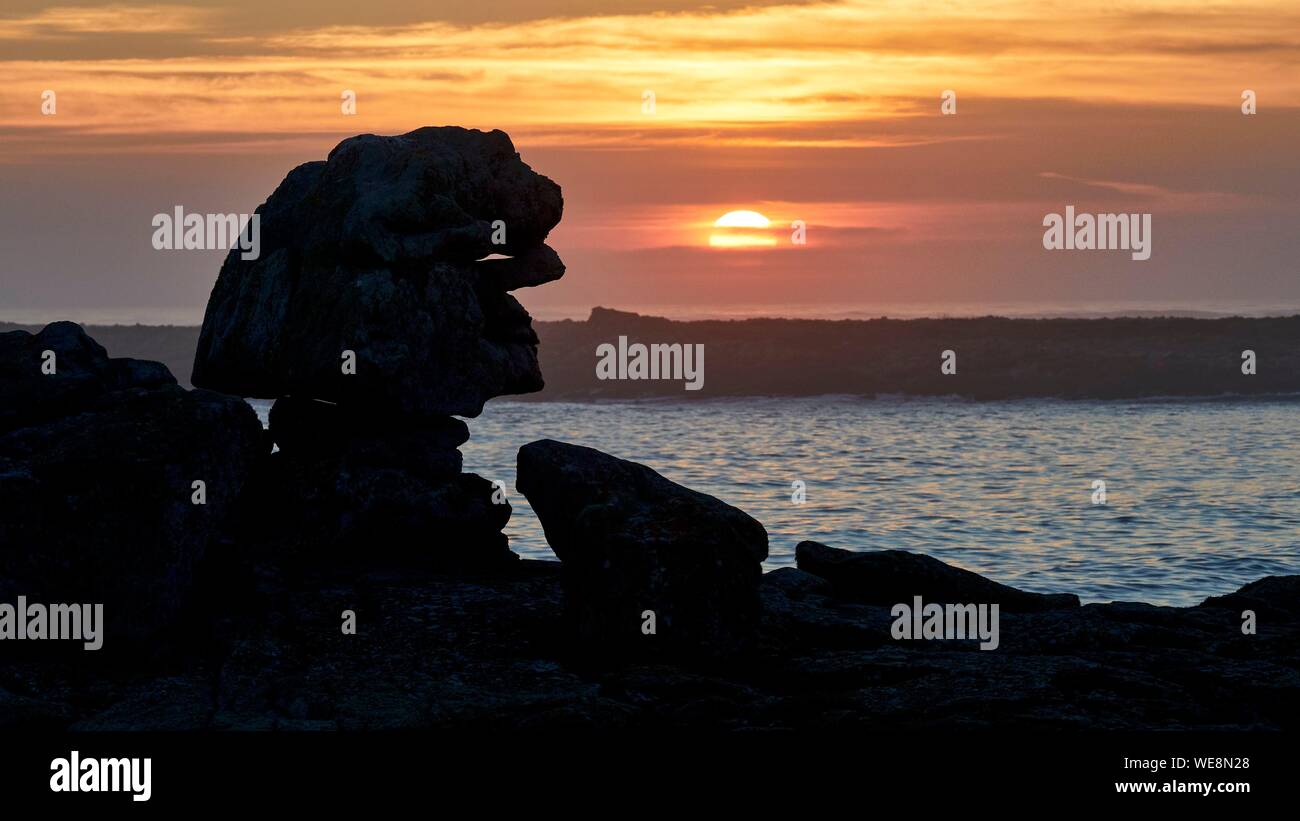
x: 742, y: 219
x: 741, y: 229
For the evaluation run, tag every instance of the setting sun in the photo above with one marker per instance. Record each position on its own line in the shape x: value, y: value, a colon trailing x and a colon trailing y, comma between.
x: 742, y: 219
x: 741, y: 229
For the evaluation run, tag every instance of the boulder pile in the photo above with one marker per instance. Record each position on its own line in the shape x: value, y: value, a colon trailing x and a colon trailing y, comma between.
x: 377, y: 311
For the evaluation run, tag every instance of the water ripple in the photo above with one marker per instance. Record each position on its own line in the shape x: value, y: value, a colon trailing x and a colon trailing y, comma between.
x: 1202, y: 497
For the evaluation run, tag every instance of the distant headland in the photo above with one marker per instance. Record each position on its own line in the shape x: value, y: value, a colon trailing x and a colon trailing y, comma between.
x: 993, y: 357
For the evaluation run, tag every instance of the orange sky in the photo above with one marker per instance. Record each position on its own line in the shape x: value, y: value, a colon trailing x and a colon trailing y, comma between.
x: 822, y: 112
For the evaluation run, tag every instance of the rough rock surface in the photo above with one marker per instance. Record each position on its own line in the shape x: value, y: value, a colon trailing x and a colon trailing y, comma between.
x: 492, y: 653
x: 307, y: 429
x: 632, y: 541
x: 97, y: 465
x: 82, y: 372
x: 879, y: 576
x: 380, y: 251
x: 332, y: 511
x: 349, y: 488
x: 536, y: 267
x: 373, y: 251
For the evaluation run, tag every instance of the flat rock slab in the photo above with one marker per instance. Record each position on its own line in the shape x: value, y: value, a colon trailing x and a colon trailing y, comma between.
x: 889, y: 577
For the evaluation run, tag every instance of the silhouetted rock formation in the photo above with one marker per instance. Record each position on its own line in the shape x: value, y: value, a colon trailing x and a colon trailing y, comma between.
x: 537, y: 266
x: 1273, y: 597
x: 308, y: 429
x: 374, y: 253
x: 631, y: 541
x: 97, y: 465
x: 997, y: 358
x: 878, y: 576
x: 83, y: 372
x: 1101, y: 666
x: 347, y: 487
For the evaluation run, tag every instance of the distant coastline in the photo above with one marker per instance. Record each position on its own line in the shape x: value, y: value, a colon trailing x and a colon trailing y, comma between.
x: 997, y: 357
x: 187, y: 316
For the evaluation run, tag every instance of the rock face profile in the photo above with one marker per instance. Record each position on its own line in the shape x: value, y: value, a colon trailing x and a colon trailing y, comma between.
x: 632, y: 543
x: 371, y: 316
x: 887, y: 577
x: 376, y: 251
x: 98, y: 460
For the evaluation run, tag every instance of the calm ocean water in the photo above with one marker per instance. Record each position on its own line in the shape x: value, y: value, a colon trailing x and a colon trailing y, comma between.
x: 1202, y: 496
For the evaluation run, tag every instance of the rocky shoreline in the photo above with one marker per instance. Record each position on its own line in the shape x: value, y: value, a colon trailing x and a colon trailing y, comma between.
x: 339, y: 571
x: 248, y: 636
x: 435, y: 651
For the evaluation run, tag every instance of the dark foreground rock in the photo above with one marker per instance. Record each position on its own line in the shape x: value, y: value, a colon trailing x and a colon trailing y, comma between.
x: 1273, y: 597
x: 98, y: 462
x: 634, y: 543
x: 490, y: 654
x: 38, y: 386
x: 332, y: 512
x: 879, y: 576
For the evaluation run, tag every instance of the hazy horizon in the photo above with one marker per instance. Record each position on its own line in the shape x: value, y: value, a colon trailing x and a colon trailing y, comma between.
x: 192, y: 317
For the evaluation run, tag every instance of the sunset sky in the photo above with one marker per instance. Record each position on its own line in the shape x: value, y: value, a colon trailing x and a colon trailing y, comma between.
x: 822, y: 112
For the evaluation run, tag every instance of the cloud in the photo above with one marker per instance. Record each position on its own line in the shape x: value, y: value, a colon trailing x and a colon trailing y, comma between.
x: 62, y: 23
x: 1151, y: 196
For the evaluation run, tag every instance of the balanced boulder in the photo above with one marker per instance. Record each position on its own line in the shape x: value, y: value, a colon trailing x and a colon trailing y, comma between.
x: 376, y: 310
x: 371, y: 255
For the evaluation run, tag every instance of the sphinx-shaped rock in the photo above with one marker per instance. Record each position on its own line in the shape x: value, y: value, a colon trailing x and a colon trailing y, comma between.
x: 530, y: 269
x: 632, y: 541
x: 377, y: 310
x: 374, y: 251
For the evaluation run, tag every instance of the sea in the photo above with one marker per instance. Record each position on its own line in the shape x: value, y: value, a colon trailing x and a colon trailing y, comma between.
x: 1200, y: 496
